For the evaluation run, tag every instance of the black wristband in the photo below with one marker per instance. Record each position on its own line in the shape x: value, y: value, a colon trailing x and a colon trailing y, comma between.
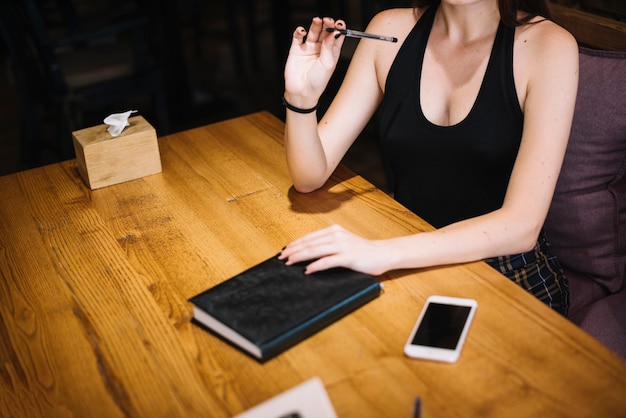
x: 298, y: 109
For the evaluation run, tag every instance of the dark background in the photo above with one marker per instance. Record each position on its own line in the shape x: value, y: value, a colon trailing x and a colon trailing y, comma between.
x: 209, y: 61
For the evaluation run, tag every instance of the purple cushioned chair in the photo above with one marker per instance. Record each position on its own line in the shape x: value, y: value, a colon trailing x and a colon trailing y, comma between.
x: 587, y: 220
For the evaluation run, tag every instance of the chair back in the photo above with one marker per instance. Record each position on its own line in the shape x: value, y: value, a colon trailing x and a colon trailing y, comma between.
x: 587, y: 220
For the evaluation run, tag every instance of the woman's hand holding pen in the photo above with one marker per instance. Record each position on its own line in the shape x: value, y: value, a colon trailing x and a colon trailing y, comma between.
x: 313, y: 57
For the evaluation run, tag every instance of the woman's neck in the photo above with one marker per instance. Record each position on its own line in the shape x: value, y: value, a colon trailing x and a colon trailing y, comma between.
x: 465, y: 21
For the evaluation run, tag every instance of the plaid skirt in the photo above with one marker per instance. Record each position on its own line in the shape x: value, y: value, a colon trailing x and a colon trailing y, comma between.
x: 538, y: 271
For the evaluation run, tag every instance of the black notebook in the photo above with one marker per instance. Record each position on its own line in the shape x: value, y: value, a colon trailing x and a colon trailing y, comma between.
x: 272, y: 306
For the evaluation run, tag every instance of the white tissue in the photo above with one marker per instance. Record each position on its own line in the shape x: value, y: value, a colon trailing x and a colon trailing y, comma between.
x: 117, y: 122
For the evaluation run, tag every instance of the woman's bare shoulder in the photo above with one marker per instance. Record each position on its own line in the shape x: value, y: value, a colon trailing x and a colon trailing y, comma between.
x: 546, y: 45
x: 545, y: 61
x: 394, y: 22
x: 544, y: 36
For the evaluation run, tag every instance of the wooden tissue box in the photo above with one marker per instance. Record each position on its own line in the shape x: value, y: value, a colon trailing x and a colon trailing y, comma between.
x: 104, y: 160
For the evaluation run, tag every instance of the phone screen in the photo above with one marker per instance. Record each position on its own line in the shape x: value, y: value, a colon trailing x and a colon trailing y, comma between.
x: 441, y: 326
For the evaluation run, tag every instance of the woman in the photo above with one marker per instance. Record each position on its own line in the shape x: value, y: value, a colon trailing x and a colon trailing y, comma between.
x: 477, y: 103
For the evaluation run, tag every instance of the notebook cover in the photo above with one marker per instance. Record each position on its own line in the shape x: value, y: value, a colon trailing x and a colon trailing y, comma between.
x: 274, y: 306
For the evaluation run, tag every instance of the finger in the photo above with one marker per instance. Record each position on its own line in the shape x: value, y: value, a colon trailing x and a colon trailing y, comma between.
x: 327, y: 22
x: 299, y: 35
x: 315, y: 247
x: 318, y: 234
x: 323, y: 263
x: 333, y: 42
x: 314, y: 235
x: 312, y: 239
x: 309, y: 252
x: 315, y: 30
x: 305, y: 251
x: 338, y: 25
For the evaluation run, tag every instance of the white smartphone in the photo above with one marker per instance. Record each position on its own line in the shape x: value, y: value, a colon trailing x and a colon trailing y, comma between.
x: 441, y: 329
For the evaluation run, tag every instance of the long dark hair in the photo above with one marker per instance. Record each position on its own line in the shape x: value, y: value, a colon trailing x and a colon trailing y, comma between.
x: 509, y: 9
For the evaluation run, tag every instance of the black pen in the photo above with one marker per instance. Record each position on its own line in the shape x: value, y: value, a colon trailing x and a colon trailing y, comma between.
x: 417, y: 408
x: 358, y: 34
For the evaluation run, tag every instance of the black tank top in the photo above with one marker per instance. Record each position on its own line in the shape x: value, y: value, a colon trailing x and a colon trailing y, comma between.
x: 449, y: 173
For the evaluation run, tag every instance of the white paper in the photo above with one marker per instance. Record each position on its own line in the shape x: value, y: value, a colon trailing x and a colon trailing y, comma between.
x: 117, y: 122
x: 306, y: 400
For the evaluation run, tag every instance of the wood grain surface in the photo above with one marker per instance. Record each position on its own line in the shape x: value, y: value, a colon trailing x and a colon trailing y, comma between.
x: 95, y: 320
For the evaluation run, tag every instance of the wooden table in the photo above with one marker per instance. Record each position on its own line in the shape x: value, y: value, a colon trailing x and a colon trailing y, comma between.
x: 95, y: 319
